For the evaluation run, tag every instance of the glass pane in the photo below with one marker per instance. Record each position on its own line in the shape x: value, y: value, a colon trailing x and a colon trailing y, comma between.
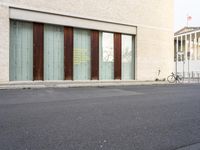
x: 82, y: 54
x: 21, y: 51
x: 127, y: 57
x: 106, y: 60
x: 53, y: 52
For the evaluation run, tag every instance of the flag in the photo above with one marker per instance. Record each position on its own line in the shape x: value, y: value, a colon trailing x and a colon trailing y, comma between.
x: 189, y: 18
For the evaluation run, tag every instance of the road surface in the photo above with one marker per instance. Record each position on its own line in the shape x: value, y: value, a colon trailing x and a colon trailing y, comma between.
x: 153, y: 117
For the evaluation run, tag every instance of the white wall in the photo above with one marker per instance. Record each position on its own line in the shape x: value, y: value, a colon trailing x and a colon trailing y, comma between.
x: 4, y: 43
x: 153, y: 18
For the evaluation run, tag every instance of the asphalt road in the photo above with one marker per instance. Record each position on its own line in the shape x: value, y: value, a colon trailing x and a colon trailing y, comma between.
x: 164, y: 117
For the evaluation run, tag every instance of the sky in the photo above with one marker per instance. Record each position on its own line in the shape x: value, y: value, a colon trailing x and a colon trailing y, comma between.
x: 184, y: 8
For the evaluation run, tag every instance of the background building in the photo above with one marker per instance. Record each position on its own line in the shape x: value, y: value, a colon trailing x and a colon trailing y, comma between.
x: 85, y: 40
x: 187, y: 51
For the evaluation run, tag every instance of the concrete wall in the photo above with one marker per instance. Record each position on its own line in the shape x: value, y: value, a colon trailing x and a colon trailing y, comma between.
x: 154, y: 54
x: 153, y: 18
x: 4, y: 43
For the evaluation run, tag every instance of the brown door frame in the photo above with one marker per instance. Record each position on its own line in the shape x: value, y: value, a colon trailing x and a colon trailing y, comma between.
x: 117, y: 56
x: 95, y: 55
x: 38, y: 51
x: 68, y: 52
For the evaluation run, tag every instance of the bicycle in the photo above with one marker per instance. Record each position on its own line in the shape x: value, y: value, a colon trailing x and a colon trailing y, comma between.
x: 174, y: 78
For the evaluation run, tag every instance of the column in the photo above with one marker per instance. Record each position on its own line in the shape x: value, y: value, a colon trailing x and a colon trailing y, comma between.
x: 186, y: 47
x: 38, y: 51
x: 68, y: 53
x: 95, y: 55
x: 198, y: 50
x: 190, y: 47
x: 195, y: 47
x: 4, y: 46
x: 181, y: 47
x: 176, y: 54
x: 117, y: 56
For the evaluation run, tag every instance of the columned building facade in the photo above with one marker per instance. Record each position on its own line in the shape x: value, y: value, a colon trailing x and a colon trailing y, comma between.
x: 187, y: 51
x: 87, y: 40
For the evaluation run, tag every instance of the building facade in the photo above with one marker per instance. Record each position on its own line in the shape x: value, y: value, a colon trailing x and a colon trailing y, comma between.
x: 187, y: 51
x: 85, y: 40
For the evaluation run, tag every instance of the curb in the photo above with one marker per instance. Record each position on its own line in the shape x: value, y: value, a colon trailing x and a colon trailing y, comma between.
x: 73, y: 84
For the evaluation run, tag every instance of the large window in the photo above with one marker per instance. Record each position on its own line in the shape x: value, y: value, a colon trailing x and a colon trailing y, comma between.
x: 106, y: 60
x: 127, y: 57
x: 21, y: 51
x: 82, y: 55
x: 53, y: 52
x: 50, y: 52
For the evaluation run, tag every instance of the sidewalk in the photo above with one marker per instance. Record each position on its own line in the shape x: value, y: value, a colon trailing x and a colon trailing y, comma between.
x: 68, y: 84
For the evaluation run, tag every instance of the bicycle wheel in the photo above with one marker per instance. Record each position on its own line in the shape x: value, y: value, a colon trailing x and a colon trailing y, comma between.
x: 171, y: 79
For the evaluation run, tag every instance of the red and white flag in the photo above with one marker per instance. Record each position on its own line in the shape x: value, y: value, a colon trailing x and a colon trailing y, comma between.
x: 189, y: 18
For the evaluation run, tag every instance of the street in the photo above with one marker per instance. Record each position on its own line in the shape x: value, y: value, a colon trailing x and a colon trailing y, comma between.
x: 151, y: 117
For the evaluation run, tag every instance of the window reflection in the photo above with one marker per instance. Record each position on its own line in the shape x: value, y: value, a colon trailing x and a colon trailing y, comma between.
x: 53, y: 52
x: 82, y: 54
x: 127, y: 57
x: 106, y: 56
